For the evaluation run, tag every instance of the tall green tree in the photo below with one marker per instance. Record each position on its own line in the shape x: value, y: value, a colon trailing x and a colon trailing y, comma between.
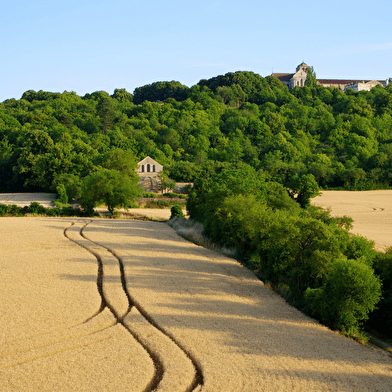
x: 311, y: 80
x: 110, y: 187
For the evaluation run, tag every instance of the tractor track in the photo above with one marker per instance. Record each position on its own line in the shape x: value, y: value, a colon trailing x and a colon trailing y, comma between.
x: 98, y: 251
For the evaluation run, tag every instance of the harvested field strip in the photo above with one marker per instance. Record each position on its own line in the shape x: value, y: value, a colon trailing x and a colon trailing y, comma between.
x: 176, y: 370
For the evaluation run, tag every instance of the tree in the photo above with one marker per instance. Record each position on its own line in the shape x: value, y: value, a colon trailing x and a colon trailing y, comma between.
x: 305, y: 187
x: 166, y: 182
x: 121, y: 160
x: 71, y: 184
x: 122, y: 95
x: 110, y: 187
x: 311, y: 80
x: 160, y: 91
x: 350, y: 291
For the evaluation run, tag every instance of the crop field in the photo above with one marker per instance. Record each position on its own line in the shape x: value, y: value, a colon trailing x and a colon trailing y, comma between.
x: 371, y: 211
x: 127, y: 305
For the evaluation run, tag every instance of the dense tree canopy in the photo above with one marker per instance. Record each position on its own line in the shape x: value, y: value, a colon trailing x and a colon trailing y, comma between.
x: 342, y: 140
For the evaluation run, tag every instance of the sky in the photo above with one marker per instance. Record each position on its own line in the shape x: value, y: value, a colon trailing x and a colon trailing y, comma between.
x: 92, y: 45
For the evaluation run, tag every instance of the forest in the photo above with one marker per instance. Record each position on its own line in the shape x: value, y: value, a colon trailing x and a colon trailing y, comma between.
x: 256, y: 153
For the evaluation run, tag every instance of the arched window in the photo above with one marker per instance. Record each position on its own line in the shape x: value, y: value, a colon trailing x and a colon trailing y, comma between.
x: 142, y: 168
x: 148, y: 167
x: 153, y: 168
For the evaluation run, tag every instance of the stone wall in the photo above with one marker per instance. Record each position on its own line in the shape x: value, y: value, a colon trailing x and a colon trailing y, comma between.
x: 150, y: 182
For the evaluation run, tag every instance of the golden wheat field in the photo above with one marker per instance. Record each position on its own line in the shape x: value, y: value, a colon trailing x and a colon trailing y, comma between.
x: 371, y: 211
x: 126, y: 305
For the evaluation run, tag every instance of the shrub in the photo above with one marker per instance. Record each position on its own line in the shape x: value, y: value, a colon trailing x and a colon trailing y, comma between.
x: 350, y: 291
x: 62, y: 194
x: 176, y: 211
x: 3, y: 209
x: 173, y: 195
x: 35, y: 208
x: 150, y: 194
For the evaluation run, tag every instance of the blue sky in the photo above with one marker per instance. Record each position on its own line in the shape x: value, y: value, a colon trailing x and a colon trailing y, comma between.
x: 90, y: 45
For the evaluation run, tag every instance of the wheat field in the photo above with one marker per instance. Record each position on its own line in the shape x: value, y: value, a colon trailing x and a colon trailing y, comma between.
x: 125, y: 305
x: 370, y: 210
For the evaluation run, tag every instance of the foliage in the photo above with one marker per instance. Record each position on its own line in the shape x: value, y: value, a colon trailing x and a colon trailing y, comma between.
x: 37, y: 209
x: 174, y: 195
x: 343, y: 140
x: 311, y: 80
x: 62, y: 194
x: 350, y: 291
x: 166, y: 182
x: 72, y: 185
x: 160, y: 91
x: 110, y: 187
x: 150, y: 195
x: 304, y: 188
x: 176, y: 211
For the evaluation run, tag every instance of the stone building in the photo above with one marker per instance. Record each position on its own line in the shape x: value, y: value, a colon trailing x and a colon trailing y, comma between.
x: 148, y: 170
x: 298, y: 78
x: 364, y: 86
x: 292, y: 80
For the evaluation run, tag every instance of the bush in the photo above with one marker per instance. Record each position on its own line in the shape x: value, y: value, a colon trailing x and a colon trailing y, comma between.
x: 72, y: 185
x: 350, y: 291
x: 173, y: 195
x: 176, y: 211
x: 62, y: 194
x: 150, y: 195
x: 35, y: 208
x: 3, y: 209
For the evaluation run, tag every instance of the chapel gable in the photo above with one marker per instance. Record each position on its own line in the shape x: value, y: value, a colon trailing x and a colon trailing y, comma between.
x: 148, y: 166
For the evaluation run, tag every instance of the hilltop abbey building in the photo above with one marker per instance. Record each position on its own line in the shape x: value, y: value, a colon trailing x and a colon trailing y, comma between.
x: 299, y: 77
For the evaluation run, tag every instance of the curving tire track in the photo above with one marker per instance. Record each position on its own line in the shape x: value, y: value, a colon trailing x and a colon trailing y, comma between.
x: 110, y: 300
x: 175, y: 368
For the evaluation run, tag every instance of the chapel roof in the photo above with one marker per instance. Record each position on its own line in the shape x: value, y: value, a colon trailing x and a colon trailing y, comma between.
x: 283, y: 76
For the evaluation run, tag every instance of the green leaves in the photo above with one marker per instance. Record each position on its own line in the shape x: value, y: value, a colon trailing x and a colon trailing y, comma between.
x: 350, y: 291
x: 108, y: 186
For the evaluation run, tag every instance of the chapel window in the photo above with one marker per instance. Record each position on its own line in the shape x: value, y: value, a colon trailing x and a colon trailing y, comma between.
x: 148, y: 167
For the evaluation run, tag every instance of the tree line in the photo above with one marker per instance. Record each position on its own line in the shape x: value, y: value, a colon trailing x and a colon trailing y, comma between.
x: 305, y: 254
x: 342, y: 139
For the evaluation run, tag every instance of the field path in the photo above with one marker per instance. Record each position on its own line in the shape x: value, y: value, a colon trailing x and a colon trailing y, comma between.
x: 104, y: 305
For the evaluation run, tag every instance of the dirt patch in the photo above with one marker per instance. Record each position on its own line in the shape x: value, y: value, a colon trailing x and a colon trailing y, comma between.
x: 24, y: 199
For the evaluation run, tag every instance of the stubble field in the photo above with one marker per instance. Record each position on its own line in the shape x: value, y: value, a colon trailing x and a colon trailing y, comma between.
x: 99, y: 305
